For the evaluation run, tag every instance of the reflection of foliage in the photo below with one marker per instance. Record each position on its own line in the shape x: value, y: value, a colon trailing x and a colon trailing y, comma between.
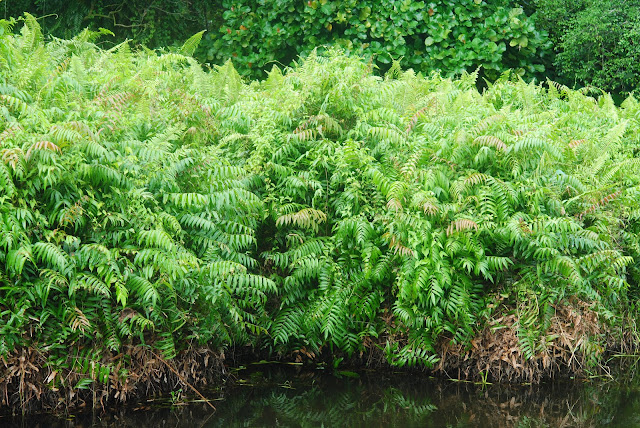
x: 396, y: 400
x: 323, y: 402
x: 402, y: 400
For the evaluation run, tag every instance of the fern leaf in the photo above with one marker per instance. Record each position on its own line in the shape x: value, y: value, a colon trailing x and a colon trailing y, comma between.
x: 189, y: 47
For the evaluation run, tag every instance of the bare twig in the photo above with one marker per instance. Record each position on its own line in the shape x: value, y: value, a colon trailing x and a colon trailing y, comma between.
x: 183, y: 379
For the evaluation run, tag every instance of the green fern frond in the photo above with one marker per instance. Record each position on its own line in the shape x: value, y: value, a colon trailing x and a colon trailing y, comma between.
x: 189, y: 47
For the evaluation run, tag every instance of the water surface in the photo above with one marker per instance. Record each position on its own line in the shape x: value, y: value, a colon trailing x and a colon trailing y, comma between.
x: 284, y: 396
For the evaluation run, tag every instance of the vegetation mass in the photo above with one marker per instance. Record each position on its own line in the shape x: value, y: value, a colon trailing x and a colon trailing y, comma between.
x: 150, y: 206
x: 574, y: 42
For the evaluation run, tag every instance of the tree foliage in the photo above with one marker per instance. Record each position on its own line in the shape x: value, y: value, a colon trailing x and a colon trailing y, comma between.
x: 595, y: 42
x: 153, y: 23
x: 451, y: 37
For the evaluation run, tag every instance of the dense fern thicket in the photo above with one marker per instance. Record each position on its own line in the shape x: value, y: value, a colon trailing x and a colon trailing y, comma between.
x: 121, y: 224
x: 146, y: 201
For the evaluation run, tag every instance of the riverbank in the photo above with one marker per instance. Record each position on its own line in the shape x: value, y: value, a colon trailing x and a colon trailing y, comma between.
x: 157, y: 214
x: 286, y: 395
x: 577, y: 346
x: 29, y: 383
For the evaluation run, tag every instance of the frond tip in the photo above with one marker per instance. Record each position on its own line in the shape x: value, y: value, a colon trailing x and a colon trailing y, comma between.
x: 461, y: 224
x: 307, y: 218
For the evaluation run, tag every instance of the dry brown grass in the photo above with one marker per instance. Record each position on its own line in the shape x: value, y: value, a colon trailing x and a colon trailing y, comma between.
x: 29, y: 385
x: 572, y: 346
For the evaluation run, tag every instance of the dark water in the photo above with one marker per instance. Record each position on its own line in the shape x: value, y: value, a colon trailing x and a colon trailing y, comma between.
x: 281, y: 396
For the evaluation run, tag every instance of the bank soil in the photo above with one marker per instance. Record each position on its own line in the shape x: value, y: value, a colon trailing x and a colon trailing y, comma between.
x: 575, y: 343
x: 29, y: 385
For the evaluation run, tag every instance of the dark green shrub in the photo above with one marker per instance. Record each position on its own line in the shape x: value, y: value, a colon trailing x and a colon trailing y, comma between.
x: 554, y: 16
x: 601, y: 47
x: 595, y: 42
x: 448, y: 36
x: 154, y: 23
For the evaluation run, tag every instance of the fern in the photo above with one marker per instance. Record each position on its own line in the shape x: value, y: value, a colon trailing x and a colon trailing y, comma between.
x: 323, y: 209
x: 190, y: 46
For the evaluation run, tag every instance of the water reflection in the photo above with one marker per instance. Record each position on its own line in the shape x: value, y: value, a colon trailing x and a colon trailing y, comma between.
x: 277, y: 396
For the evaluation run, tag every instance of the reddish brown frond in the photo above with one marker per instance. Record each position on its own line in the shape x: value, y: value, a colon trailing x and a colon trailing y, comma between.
x: 305, y: 218
x: 490, y: 141
x: 394, y: 204
x: 575, y: 143
x: 602, y: 202
x: 397, y: 246
x: 429, y: 208
x: 414, y: 119
x: 460, y: 225
x: 42, y: 145
x: 475, y: 178
x: 12, y: 157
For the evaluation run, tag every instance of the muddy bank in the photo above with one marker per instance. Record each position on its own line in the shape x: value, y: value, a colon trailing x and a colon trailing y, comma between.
x: 576, y: 343
x: 28, y: 384
x: 286, y: 395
